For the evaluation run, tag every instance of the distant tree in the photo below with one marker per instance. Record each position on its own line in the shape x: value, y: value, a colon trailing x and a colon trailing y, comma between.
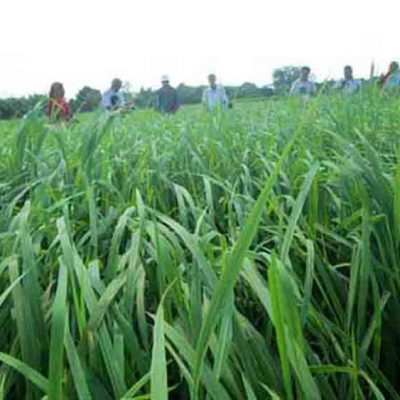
x: 189, y: 94
x: 268, y: 90
x: 284, y: 77
x: 18, y: 107
x: 130, y: 96
x: 248, y: 89
x: 145, y: 98
x: 87, y: 99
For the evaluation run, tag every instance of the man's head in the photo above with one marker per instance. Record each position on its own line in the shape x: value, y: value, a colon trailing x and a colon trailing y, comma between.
x: 348, y: 72
x: 165, y: 80
x: 116, y: 85
x: 212, y: 80
x: 305, y: 73
x: 394, y: 67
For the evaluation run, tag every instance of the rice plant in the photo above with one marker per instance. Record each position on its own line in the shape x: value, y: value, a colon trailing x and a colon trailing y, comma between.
x: 246, y: 255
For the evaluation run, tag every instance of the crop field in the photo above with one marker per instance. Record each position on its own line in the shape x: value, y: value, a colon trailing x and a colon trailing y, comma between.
x: 247, y: 255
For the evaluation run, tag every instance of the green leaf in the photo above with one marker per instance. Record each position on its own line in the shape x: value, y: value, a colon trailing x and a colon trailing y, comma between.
x: 29, y: 373
x: 58, y: 324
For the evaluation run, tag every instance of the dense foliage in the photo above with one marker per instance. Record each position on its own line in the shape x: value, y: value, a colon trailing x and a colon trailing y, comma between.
x: 249, y: 255
x: 284, y: 77
x: 87, y: 99
x: 18, y: 107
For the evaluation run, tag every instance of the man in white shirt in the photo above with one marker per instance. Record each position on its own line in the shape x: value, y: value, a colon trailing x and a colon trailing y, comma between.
x: 303, y: 86
x: 348, y: 85
x: 215, y: 95
x: 113, y: 99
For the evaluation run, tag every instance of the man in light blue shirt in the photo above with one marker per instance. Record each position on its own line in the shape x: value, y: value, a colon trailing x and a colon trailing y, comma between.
x: 215, y: 95
x: 348, y: 85
x: 303, y: 86
x: 113, y: 99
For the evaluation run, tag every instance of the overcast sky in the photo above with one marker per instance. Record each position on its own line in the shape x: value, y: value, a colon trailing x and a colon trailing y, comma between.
x: 88, y: 42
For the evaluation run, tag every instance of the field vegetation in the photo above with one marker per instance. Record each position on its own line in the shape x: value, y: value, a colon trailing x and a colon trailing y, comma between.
x: 247, y: 255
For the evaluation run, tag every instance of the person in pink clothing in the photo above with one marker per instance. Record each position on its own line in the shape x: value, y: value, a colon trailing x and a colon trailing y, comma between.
x: 58, y: 108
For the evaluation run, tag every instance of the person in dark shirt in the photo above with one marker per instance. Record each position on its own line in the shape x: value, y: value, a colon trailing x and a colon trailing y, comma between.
x: 167, y: 97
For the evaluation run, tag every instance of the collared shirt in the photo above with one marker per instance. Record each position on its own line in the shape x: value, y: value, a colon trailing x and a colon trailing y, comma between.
x: 348, y: 86
x: 167, y: 100
x: 392, y: 81
x: 112, y: 99
x: 215, y: 97
x: 303, y: 87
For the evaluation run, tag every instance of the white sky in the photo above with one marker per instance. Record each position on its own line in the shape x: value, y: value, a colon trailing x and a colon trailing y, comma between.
x: 89, y: 42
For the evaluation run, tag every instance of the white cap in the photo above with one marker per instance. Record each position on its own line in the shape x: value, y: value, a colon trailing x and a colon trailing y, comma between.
x: 165, y: 78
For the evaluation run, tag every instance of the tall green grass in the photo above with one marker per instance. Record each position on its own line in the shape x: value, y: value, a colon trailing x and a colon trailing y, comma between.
x: 250, y: 255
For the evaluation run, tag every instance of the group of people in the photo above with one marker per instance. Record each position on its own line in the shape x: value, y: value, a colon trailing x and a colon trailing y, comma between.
x: 304, y: 86
x: 214, y: 96
x: 166, y: 99
x: 348, y: 84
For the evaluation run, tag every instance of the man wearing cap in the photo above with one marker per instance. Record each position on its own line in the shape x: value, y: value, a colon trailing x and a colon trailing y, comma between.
x: 215, y: 95
x: 166, y: 97
x: 113, y: 99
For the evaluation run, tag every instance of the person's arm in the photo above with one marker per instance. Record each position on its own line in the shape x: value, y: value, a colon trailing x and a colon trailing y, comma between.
x: 68, y: 111
x: 204, y: 99
x: 105, y: 100
x: 383, y: 79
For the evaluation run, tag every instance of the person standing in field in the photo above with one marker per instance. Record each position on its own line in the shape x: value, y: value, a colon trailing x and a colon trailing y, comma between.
x: 348, y: 84
x: 303, y: 86
x: 58, y: 109
x: 167, y: 97
x: 215, y: 95
x: 113, y: 99
x: 391, y: 80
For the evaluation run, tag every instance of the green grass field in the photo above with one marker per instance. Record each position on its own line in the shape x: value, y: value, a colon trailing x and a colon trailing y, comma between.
x: 250, y: 255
